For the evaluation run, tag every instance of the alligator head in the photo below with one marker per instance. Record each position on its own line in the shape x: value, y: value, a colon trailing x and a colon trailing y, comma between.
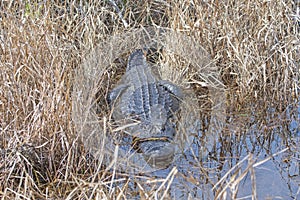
x: 158, y: 154
x: 159, y: 149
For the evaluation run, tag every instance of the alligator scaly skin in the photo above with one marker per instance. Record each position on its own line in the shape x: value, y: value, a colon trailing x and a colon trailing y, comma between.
x: 142, y: 96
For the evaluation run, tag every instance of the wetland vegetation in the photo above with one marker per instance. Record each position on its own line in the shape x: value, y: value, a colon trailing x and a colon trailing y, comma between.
x: 238, y: 61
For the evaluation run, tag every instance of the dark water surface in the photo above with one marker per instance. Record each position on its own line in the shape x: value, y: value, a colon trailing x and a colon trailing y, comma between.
x: 256, y: 155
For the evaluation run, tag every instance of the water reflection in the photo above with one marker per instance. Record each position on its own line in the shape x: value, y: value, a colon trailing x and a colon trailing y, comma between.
x: 259, y: 159
x: 271, y: 148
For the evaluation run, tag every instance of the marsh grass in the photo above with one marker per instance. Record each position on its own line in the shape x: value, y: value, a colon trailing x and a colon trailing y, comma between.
x: 254, y: 45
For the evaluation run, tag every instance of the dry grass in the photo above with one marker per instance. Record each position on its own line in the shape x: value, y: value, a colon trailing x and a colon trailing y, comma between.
x: 254, y: 45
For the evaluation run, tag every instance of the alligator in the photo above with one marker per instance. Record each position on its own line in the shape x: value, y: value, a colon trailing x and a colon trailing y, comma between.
x: 148, y: 105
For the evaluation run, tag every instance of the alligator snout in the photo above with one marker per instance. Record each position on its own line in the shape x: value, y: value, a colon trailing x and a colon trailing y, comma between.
x: 155, y: 144
x: 158, y: 154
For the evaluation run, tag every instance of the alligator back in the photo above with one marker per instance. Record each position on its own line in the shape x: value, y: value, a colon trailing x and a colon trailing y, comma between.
x: 143, y: 95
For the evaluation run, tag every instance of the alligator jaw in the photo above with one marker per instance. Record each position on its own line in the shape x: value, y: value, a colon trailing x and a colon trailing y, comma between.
x: 158, y: 154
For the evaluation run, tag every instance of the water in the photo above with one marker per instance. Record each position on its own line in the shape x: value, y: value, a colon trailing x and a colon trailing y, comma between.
x: 257, y: 155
